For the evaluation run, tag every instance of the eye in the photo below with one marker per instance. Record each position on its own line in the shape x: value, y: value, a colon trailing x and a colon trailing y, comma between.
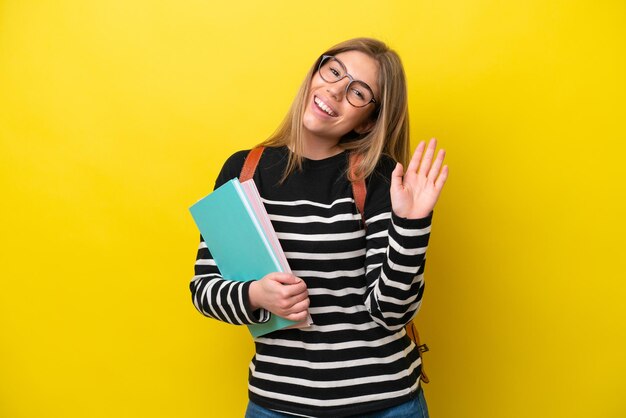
x: 357, y: 93
x: 334, y: 71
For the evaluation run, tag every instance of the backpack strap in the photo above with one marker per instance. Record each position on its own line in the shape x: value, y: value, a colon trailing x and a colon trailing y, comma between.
x: 421, y: 348
x: 359, y: 192
x: 249, y: 165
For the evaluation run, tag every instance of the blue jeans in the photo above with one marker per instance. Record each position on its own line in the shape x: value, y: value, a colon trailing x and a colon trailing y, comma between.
x: 415, y: 408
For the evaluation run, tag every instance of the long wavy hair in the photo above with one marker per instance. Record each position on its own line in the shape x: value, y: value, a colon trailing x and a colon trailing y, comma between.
x: 390, y: 134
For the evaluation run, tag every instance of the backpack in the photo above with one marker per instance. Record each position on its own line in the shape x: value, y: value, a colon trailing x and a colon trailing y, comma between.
x: 359, y: 191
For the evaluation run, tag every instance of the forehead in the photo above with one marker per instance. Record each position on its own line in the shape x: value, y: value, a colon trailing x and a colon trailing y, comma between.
x: 362, y: 67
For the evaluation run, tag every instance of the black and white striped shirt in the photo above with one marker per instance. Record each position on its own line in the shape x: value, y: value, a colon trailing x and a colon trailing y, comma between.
x: 363, y: 288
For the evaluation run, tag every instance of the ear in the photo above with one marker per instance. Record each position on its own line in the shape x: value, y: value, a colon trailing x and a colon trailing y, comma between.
x: 365, y: 127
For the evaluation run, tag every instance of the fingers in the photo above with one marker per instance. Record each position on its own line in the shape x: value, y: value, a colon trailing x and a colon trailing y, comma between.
x: 294, y: 296
x: 284, y: 278
x: 299, y: 310
x: 442, y: 178
x: 428, y: 158
x: 417, y: 156
x: 298, y: 316
x: 294, y: 307
x: 282, y: 294
x: 434, y: 170
x: 292, y: 285
x: 396, y: 176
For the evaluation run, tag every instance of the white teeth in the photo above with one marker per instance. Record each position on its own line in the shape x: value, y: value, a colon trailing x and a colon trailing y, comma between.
x: 323, y: 106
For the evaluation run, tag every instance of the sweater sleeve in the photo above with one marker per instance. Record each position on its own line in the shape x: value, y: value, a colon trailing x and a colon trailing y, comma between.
x: 395, y: 258
x: 213, y: 295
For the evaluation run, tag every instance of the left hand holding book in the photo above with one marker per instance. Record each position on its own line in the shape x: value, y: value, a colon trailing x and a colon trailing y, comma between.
x: 282, y: 294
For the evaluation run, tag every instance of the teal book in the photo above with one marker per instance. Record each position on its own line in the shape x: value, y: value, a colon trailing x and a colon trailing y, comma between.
x: 239, y: 235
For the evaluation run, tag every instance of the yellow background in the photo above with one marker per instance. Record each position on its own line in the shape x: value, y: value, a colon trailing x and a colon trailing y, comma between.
x: 115, y: 116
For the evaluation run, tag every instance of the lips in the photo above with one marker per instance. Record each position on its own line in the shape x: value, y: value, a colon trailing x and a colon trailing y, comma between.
x: 324, y: 107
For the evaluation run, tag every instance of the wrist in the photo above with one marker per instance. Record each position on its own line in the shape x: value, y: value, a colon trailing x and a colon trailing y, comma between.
x: 254, y: 295
x: 404, y: 222
x: 418, y: 215
x: 413, y: 215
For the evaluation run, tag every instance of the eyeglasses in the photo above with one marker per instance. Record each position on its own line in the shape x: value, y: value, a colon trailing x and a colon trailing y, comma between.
x: 332, y: 70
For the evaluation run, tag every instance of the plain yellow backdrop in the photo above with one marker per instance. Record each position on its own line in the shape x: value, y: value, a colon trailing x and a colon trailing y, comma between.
x: 116, y: 116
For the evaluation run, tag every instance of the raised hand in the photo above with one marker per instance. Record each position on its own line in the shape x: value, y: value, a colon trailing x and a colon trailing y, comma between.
x: 282, y: 294
x: 415, y: 193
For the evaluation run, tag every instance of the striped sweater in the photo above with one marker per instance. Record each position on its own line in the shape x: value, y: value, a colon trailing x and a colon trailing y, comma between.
x: 364, y: 286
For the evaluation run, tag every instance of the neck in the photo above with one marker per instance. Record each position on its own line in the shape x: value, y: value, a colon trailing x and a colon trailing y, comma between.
x: 315, y: 148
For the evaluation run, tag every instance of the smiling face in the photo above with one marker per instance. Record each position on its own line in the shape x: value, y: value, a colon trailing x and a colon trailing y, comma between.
x: 328, y: 115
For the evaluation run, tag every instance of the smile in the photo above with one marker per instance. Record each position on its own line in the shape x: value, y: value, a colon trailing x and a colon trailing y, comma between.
x: 324, y: 107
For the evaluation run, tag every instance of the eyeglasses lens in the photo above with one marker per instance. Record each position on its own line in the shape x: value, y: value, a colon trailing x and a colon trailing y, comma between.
x: 358, y: 93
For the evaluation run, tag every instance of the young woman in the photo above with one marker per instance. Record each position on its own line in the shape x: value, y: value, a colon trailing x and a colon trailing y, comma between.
x: 361, y: 283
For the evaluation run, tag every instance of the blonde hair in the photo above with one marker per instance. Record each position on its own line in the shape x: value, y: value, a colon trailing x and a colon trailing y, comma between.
x: 390, y: 134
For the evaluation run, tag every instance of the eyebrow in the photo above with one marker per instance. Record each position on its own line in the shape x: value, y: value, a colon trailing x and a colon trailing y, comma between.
x: 355, y: 79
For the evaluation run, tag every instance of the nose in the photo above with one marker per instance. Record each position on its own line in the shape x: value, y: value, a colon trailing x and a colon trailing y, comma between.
x: 338, y: 90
